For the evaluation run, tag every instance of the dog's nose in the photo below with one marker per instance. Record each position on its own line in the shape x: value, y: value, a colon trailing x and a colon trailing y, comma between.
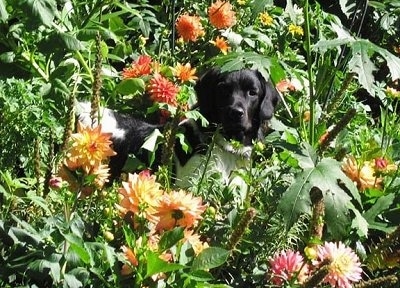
x: 236, y: 113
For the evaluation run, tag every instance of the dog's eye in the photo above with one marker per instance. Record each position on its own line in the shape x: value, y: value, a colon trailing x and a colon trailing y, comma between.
x: 253, y: 92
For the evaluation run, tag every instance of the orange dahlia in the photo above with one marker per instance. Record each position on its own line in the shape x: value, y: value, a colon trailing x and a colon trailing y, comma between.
x: 221, y: 14
x: 221, y: 44
x: 194, y: 240
x: 140, y: 195
x: 162, y: 90
x: 185, y: 72
x: 189, y: 27
x: 179, y: 208
x: 142, y: 66
x: 89, y: 147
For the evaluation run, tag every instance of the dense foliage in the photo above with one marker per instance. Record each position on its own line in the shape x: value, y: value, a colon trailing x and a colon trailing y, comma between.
x: 321, y: 202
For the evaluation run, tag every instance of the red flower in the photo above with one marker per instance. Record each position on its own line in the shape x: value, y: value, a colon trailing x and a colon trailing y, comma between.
x: 162, y: 90
x: 142, y: 66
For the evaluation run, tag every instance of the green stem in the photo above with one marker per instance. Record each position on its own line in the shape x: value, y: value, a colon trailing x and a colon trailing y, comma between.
x: 85, y: 65
x: 309, y: 72
x: 29, y: 57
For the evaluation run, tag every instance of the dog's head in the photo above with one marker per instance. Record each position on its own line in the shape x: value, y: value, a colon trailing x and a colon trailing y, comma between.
x: 241, y: 102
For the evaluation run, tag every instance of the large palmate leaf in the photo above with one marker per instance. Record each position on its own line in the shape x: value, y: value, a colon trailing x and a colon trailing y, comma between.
x: 360, y: 62
x: 328, y: 177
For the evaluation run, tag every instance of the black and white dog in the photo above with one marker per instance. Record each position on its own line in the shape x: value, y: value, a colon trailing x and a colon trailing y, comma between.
x: 237, y: 104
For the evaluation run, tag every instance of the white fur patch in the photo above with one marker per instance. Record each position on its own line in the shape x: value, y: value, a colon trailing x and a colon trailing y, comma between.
x: 108, y: 122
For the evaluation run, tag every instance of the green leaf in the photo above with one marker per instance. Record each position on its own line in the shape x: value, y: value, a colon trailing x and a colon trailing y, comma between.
x: 42, y: 264
x: 155, y: 265
x: 392, y: 61
x: 170, y: 238
x: 326, y: 175
x: 131, y: 86
x: 71, y: 281
x: 308, y: 158
x: 151, y: 141
x: 383, y: 203
x: 210, y: 258
x: 3, y: 11
x: 70, y: 42
x: 361, y: 64
x: 39, y: 201
x: 44, y: 10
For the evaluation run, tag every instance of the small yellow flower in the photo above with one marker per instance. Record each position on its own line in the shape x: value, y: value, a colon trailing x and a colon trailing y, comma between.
x: 295, y: 30
x: 392, y: 93
x: 221, y: 44
x: 266, y: 19
x: 242, y: 2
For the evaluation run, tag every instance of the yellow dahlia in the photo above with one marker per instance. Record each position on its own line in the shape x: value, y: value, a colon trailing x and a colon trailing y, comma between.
x: 363, y: 175
x: 89, y: 147
x: 295, y: 30
x: 221, y: 14
x: 266, y: 19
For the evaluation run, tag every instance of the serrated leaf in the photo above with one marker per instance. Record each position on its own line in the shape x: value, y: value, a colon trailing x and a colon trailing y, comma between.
x: 156, y: 265
x: 210, y: 258
x: 392, y: 61
x: 308, y: 158
x: 361, y: 64
x: 326, y: 175
x: 131, y: 86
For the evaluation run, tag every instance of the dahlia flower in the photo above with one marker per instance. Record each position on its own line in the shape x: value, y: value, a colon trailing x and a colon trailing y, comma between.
x: 295, y: 30
x: 89, y: 147
x: 286, y: 265
x: 142, y: 66
x: 344, y: 267
x: 162, y: 90
x: 194, y: 241
x: 178, y: 208
x: 221, y: 15
x: 131, y: 257
x: 221, y: 44
x: 189, y: 27
x: 364, y: 176
x: 265, y: 19
x: 185, y: 72
x: 140, y: 195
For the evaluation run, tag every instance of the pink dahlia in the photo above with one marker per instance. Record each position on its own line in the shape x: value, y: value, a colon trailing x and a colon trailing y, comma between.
x: 162, y: 90
x: 344, y: 267
x: 286, y: 265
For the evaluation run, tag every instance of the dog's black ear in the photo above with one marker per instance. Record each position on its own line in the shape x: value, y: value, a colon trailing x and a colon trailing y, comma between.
x: 268, y: 104
x: 206, y: 90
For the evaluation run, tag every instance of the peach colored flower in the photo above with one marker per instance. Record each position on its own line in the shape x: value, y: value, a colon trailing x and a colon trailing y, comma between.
x: 131, y: 258
x: 286, y: 265
x: 140, y: 195
x: 392, y: 93
x: 221, y: 44
x: 221, y: 14
x: 194, y: 241
x: 285, y: 85
x: 162, y: 90
x: 140, y: 67
x: 89, y: 147
x: 179, y: 208
x: 189, y: 27
x: 344, y: 268
x: 185, y: 72
x: 363, y: 175
x: 102, y: 172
